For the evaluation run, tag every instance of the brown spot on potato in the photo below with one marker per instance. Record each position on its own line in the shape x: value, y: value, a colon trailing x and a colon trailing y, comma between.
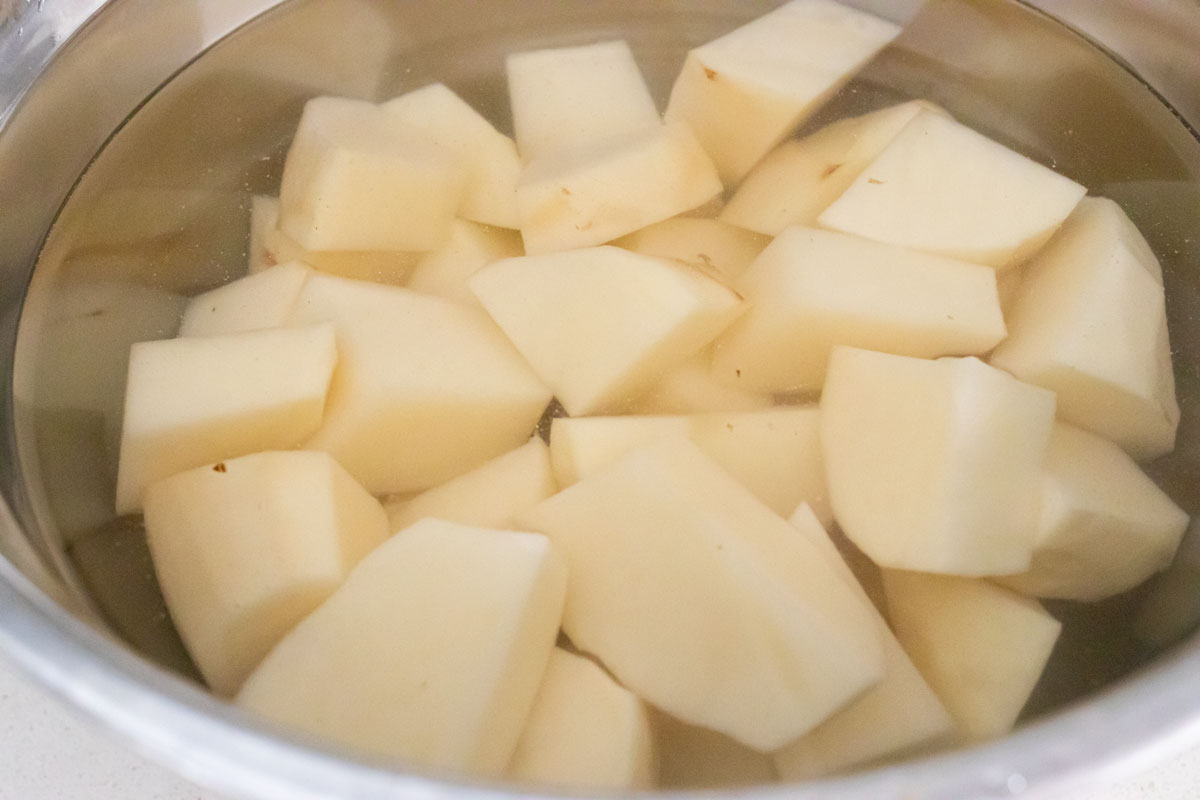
x: 711, y: 74
x: 219, y: 467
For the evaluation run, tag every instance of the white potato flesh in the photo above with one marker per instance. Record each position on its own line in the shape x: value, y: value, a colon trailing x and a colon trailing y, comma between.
x: 692, y: 757
x: 591, y: 196
x: 585, y: 731
x: 246, y: 548
x: 812, y: 290
x: 703, y: 243
x: 356, y: 180
x: 426, y: 389
x: 264, y: 218
x: 1171, y: 609
x: 493, y: 166
x: 798, y: 180
x: 980, y: 646
x: 581, y: 446
x: 489, y: 496
x: 444, y: 272
x: 897, y: 715
x: 934, y: 466
x: 445, y: 632
x: 255, y: 302
x: 941, y: 187
x: 1104, y: 526
x: 690, y: 388
x: 600, y: 324
x: 194, y: 401
x: 741, y: 626
x: 572, y: 98
x: 1090, y: 323
x: 746, y: 91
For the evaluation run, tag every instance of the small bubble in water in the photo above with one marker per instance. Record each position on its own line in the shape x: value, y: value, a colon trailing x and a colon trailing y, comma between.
x: 1016, y: 783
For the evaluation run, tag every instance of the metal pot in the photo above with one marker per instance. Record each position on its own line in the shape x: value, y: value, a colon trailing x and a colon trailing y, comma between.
x: 133, y: 131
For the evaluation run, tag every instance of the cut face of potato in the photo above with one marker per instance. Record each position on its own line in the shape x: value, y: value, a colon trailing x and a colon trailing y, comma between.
x: 585, y: 731
x: 493, y: 166
x: 572, y: 98
x: 190, y: 402
x: 746, y: 91
x: 446, y: 631
x: 981, y: 647
x: 255, y: 302
x: 246, y: 548
x: 690, y: 388
x: 741, y: 625
x: 444, y: 272
x: 356, y: 180
x: 1089, y: 322
x: 812, y: 290
x: 702, y: 243
x: 425, y: 390
x: 489, y: 496
x: 600, y: 324
x: 691, y: 757
x: 942, y: 188
x: 800, y: 179
x: 1104, y: 526
x: 934, y: 465
x: 588, y: 197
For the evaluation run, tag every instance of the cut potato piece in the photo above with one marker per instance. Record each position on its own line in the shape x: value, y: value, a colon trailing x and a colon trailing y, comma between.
x: 746, y: 91
x: 811, y: 290
x: 691, y: 757
x: 897, y: 715
x: 1090, y: 323
x: 588, y: 197
x: 706, y: 244
x: 445, y: 271
x: 664, y: 537
x: 981, y: 647
x: 445, y: 630
x: 264, y: 218
x: 356, y: 180
x: 573, y: 98
x: 934, y: 465
x: 690, y: 388
x: 1171, y: 609
x: 255, y: 302
x: 800, y: 179
x: 246, y: 548
x: 600, y: 324
x: 489, y: 496
x: 1104, y: 526
x: 191, y: 402
x: 942, y: 188
x: 493, y: 166
x: 581, y: 446
x: 425, y: 390
x: 585, y: 731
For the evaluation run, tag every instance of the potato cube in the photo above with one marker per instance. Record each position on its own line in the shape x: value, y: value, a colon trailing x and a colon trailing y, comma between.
x: 585, y: 731
x: 1089, y: 322
x: 191, y: 402
x: 934, y: 465
x: 746, y: 91
x: 741, y: 626
x: 981, y: 647
x: 600, y: 324
x: 246, y: 548
x: 445, y: 631
x: 255, y: 302
x: 445, y: 271
x: 812, y: 290
x: 706, y: 244
x: 943, y: 188
x: 690, y: 388
x: 692, y: 757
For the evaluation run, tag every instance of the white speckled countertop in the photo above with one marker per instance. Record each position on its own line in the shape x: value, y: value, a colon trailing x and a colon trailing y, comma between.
x: 46, y: 753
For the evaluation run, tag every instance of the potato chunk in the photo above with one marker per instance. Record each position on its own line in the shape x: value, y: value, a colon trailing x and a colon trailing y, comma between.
x: 585, y: 731
x: 738, y: 624
x: 943, y: 188
x: 981, y: 647
x: 1104, y: 526
x: 246, y: 548
x: 191, y: 402
x: 445, y: 632
x: 934, y: 465
x: 600, y: 324
x: 1089, y: 322
x: 255, y: 302
x: 746, y: 91
x: 706, y: 244
x: 470, y: 247
x: 812, y: 290
x: 690, y: 388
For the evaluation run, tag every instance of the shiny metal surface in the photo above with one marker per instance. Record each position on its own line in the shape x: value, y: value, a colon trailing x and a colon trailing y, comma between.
x: 161, y: 214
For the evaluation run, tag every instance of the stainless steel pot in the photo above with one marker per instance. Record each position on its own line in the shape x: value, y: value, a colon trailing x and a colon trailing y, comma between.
x: 132, y: 132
